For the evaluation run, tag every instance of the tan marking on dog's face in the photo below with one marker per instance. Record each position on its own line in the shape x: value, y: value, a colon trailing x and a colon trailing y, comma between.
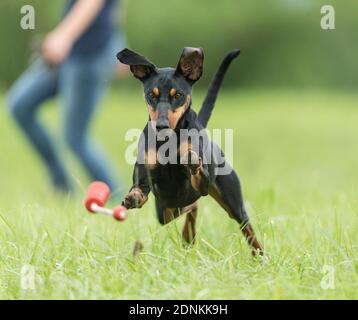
x: 153, y: 114
x: 175, y: 115
x: 172, y: 92
x: 151, y: 159
x: 155, y: 91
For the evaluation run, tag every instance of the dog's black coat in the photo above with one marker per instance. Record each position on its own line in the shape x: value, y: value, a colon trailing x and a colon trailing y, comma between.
x: 171, y: 184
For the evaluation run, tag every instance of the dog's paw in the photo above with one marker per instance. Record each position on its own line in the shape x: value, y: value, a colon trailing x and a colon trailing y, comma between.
x: 192, y: 161
x: 134, y: 199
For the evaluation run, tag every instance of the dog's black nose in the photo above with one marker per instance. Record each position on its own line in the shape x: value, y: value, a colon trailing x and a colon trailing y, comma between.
x: 162, y: 120
x: 162, y: 123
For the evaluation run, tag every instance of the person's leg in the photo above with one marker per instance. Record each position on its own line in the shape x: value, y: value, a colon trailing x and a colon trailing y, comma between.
x: 36, y: 85
x: 82, y: 83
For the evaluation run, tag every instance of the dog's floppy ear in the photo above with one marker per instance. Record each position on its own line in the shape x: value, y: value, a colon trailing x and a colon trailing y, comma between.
x: 190, y: 64
x: 140, y: 66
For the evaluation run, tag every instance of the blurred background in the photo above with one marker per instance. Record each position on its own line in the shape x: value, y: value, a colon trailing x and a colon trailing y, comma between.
x: 287, y: 59
x: 281, y: 40
x: 291, y: 98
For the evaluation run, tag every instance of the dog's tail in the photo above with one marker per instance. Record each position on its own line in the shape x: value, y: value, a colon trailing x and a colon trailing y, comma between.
x: 214, y: 87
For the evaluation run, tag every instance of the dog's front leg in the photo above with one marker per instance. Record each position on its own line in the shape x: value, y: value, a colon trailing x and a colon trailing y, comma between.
x: 200, y: 180
x: 138, y: 194
x: 136, y: 198
x: 199, y: 172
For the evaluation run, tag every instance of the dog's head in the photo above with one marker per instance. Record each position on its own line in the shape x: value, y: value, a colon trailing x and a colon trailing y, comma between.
x: 167, y: 91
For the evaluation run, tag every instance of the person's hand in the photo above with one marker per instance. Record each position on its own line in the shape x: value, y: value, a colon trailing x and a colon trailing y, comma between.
x: 56, y: 47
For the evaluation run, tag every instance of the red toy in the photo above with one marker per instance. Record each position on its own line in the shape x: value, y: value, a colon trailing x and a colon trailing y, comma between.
x: 96, y: 198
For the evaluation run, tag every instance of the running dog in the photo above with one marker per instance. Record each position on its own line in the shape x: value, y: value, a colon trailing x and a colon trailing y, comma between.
x: 195, y: 169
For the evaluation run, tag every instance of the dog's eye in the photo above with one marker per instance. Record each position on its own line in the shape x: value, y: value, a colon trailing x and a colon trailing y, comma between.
x: 177, y: 96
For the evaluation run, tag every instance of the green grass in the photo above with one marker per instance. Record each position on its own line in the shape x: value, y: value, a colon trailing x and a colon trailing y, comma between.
x: 296, y: 154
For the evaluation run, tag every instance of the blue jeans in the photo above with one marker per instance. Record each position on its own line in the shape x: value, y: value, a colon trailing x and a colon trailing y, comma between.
x: 80, y: 83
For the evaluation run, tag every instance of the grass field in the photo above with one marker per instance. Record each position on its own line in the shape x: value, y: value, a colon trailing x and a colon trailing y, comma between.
x: 296, y: 154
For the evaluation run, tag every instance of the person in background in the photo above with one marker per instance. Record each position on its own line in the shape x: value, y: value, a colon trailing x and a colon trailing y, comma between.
x: 77, y: 61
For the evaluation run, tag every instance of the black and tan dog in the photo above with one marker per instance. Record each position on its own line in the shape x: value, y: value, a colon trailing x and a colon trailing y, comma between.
x: 178, y: 185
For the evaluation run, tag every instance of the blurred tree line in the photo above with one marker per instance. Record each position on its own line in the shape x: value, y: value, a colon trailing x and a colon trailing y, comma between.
x: 282, y: 42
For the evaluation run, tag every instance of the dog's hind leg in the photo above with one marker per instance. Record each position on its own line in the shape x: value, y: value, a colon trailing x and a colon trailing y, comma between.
x: 227, y: 192
x: 189, y: 231
x: 166, y: 215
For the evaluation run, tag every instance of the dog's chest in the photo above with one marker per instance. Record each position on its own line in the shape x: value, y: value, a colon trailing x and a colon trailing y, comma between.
x: 171, y: 185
